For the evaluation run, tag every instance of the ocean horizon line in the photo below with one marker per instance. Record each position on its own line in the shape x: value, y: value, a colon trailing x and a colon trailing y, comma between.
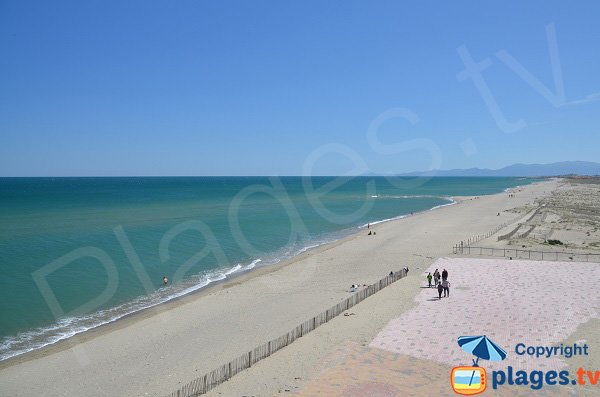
x: 59, y: 218
x: 210, y: 279
x: 274, y: 176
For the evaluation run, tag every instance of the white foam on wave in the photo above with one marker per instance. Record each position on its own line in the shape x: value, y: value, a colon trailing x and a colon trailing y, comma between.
x: 234, y: 269
x: 452, y: 202
x: 304, y: 249
x: 68, y: 327
x: 383, y: 221
x: 65, y: 328
x: 253, y: 264
x: 450, y: 199
x: 410, y: 196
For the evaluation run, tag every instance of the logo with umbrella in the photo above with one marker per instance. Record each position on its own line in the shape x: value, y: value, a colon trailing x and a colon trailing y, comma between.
x: 469, y: 380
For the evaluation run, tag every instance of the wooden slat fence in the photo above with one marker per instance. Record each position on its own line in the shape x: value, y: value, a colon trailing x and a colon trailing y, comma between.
x: 214, y: 378
x: 475, y: 239
x: 479, y: 237
x: 518, y: 253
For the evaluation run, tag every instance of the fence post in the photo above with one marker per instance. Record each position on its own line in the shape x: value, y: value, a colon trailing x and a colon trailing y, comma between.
x: 225, y: 372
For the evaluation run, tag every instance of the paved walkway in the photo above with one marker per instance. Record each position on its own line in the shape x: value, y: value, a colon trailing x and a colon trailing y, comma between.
x: 535, y: 303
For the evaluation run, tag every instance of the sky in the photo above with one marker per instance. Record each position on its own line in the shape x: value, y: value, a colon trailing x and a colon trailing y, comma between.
x: 110, y: 88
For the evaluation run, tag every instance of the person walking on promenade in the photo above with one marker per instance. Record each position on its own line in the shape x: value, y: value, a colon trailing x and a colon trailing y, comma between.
x: 436, y: 277
x: 440, y: 290
x: 446, y: 287
x: 429, y: 277
x: 444, y: 274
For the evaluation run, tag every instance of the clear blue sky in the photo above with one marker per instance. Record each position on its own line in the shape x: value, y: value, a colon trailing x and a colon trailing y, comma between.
x: 255, y: 87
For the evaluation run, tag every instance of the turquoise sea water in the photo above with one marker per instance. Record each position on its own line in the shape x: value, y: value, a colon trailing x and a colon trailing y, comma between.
x: 76, y: 253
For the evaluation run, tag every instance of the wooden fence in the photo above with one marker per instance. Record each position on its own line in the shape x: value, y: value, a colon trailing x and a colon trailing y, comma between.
x: 225, y: 372
x: 522, y: 223
x: 479, y: 237
x: 517, y: 253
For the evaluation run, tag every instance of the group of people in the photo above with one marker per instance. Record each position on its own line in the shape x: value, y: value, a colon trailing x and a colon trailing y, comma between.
x: 355, y: 287
x: 443, y: 285
x: 371, y: 232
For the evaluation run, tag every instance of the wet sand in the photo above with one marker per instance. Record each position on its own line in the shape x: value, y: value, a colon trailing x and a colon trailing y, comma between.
x: 159, y: 350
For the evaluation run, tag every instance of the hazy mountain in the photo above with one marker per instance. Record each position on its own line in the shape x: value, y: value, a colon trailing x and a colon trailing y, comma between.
x: 553, y: 169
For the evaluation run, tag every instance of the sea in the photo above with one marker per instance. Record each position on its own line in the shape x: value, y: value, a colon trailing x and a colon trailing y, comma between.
x: 77, y: 253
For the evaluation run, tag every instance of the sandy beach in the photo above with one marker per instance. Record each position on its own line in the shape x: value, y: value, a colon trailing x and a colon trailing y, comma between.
x: 159, y: 350
x: 202, y: 198
x: 414, y: 353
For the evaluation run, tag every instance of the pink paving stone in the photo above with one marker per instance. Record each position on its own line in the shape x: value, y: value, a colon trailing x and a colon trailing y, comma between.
x: 510, y: 301
x: 362, y: 371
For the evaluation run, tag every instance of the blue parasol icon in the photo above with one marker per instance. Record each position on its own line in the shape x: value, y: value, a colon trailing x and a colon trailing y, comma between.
x: 481, y: 347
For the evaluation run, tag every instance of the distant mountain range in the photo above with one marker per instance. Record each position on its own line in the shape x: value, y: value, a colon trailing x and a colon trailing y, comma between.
x: 524, y: 170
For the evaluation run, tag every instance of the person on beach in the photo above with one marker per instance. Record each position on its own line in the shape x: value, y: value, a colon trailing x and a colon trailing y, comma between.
x: 165, y: 280
x: 446, y: 286
x: 429, y: 277
x: 440, y: 290
x: 444, y: 274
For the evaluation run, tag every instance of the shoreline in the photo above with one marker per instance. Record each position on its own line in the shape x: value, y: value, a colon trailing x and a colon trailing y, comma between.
x: 130, y: 318
x: 260, y: 300
x: 213, y: 286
